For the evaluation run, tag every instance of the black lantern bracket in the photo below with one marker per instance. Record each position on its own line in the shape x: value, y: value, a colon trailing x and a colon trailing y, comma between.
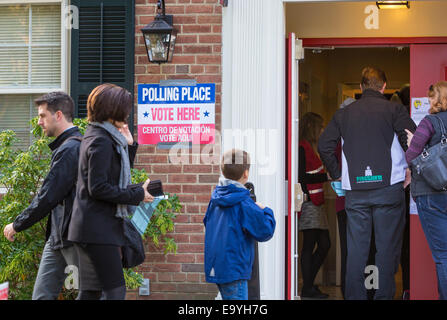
x: 169, y: 18
x: 160, y: 35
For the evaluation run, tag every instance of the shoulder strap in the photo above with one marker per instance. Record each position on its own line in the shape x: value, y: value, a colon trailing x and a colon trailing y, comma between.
x: 442, y: 126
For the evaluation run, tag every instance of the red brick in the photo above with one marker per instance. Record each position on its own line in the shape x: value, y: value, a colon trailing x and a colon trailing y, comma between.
x: 200, y: 258
x: 149, y: 159
x: 166, y: 168
x: 197, y: 169
x: 180, y: 59
x: 209, y: 59
x: 193, y: 277
x: 163, y: 287
x: 183, y: 178
x: 186, y: 198
x: 179, y: 277
x: 209, y: 19
x: 188, y: 228
x: 197, y: 238
x: 192, y: 208
x: 196, y: 29
x: 180, y: 237
x: 197, y: 69
x: 164, y: 277
x: 170, y: 188
x: 197, y: 49
x: 170, y: 9
x: 149, y: 79
x: 165, y: 267
x: 185, y: 19
x: 190, y: 248
x: 200, y: 9
x: 209, y: 178
x: 197, y: 189
x: 212, y: 69
x: 153, y: 257
x: 202, y: 198
x: 208, y: 78
x: 185, y: 38
x: 181, y: 258
x: 197, y: 218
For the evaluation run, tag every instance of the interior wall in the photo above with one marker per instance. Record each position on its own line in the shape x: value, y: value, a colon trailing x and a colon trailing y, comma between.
x: 320, y: 74
x: 347, y: 19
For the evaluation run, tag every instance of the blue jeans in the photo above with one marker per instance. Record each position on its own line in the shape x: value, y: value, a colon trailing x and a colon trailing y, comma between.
x: 236, y: 290
x: 433, y: 216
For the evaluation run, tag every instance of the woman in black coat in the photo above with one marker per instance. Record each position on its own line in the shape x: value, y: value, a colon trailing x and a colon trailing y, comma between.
x: 104, y: 195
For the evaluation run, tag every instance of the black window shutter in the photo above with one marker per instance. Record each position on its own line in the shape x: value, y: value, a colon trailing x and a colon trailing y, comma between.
x: 102, y: 49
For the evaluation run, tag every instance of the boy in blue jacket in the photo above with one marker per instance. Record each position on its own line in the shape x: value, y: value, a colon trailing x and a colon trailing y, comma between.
x: 233, y: 222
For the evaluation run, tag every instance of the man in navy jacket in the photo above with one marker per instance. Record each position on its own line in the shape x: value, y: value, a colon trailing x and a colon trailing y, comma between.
x: 233, y: 222
x: 55, y: 197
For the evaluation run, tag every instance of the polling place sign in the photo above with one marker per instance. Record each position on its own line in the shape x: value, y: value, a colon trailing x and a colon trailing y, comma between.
x: 173, y: 114
x: 4, y: 291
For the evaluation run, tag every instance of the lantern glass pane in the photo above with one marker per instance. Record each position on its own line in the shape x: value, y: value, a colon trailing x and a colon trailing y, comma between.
x: 157, y: 46
x: 171, y: 47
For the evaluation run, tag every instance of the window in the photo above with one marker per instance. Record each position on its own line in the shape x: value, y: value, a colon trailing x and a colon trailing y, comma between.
x: 30, y: 62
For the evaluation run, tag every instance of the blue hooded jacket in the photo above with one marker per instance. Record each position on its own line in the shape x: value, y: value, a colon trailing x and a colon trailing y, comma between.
x: 233, y: 222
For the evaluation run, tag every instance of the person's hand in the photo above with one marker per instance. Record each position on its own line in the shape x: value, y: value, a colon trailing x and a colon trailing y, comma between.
x: 260, y: 205
x: 147, y: 196
x: 328, y: 176
x: 126, y: 133
x: 9, y: 232
x: 409, y: 137
x: 407, y: 178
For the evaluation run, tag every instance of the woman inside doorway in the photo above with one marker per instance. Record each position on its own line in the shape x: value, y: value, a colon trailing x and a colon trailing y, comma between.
x: 313, y: 219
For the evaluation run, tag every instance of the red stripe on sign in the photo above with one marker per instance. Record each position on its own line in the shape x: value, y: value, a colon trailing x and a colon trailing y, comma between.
x: 175, y: 133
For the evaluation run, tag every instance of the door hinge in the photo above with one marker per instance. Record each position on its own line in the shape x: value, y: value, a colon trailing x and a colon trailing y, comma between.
x: 299, y: 50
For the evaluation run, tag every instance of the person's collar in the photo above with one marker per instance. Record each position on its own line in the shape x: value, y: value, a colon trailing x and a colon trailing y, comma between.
x: 60, y: 139
x: 225, y: 182
x: 372, y: 93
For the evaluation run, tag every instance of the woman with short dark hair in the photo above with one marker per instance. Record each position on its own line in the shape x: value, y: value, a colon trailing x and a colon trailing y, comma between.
x: 104, y: 193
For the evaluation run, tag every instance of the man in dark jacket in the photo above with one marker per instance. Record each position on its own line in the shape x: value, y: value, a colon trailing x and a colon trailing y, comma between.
x: 55, y: 197
x: 374, y: 169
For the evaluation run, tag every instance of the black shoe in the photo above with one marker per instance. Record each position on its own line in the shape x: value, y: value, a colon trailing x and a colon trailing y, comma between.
x: 314, y: 293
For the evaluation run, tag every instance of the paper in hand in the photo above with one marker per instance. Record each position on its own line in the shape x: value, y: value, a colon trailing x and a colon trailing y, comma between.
x: 143, y: 214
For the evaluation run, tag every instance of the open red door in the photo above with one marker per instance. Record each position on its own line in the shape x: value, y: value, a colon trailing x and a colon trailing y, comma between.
x: 428, y: 64
x: 292, y: 168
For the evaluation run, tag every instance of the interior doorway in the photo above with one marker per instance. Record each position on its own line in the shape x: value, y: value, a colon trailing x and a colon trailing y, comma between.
x: 327, y: 76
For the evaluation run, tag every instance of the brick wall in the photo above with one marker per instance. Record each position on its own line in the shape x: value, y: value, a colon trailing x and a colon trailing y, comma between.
x: 197, y: 56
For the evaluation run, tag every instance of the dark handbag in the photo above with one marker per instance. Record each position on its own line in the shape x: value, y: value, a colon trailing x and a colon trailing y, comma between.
x: 133, y: 249
x: 155, y: 188
x: 431, y: 164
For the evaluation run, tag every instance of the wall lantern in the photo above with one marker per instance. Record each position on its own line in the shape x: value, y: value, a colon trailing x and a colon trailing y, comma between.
x: 391, y: 4
x: 159, y: 36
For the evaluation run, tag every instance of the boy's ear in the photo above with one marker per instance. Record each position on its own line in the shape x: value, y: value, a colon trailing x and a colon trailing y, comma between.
x: 246, y: 174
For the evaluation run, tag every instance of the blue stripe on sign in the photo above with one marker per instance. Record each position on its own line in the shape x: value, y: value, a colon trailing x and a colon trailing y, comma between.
x: 156, y: 94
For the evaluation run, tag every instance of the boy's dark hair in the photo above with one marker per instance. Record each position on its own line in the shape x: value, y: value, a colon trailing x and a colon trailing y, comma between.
x: 373, y: 78
x: 234, y: 163
x: 58, y: 101
x: 109, y: 101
